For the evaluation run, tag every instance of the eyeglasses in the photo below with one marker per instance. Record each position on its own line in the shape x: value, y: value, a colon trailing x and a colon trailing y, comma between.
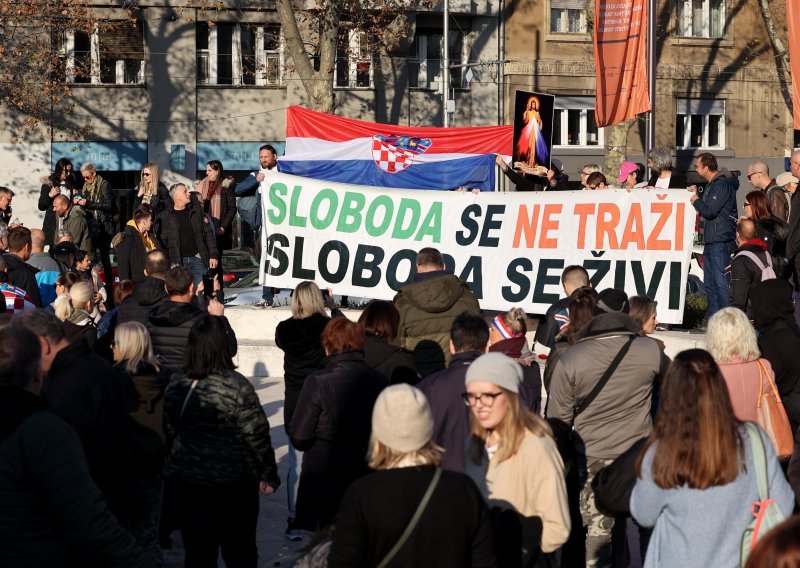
x: 485, y: 398
x: 746, y: 204
x: 585, y: 173
x: 751, y: 175
x: 593, y: 187
x: 146, y: 174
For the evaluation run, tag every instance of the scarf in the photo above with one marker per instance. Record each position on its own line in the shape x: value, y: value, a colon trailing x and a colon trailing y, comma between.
x: 213, y: 199
x: 147, y: 242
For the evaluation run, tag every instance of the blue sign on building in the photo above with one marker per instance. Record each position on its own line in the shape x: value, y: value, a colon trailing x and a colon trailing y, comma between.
x: 233, y: 155
x: 106, y: 156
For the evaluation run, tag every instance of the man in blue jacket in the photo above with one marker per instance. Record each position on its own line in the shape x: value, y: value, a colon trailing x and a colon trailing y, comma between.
x: 717, y: 206
x: 268, y: 159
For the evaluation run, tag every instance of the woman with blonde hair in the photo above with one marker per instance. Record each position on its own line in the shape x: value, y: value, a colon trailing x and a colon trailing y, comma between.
x: 74, y: 309
x: 144, y: 385
x: 512, y: 455
x: 299, y: 337
x: 731, y: 340
x: 455, y: 529
x: 697, y: 471
x: 152, y: 191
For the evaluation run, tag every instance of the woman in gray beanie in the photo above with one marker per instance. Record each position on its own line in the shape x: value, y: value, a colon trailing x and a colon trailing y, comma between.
x: 409, y: 512
x: 511, y: 454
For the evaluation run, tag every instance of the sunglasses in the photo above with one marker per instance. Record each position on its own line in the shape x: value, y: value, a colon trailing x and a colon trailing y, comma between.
x: 146, y: 174
x: 751, y: 175
x: 747, y: 204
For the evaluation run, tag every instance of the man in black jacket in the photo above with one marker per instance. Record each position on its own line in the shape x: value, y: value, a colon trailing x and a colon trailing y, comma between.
x: 82, y: 388
x: 50, y: 510
x: 149, y: 293
x: 171, y: 321
x: 21, y: 274
x: 469, y: 339
x: 187, y: 235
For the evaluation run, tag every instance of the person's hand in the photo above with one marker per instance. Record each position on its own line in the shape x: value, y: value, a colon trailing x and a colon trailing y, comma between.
x: 694, y: 198
x: 215, y: 308
x: 212, y: 263
x: 55, y: 190
x: 81, y: 202
x: 221, y: 231
x: 692, y: 188
x: 265, y: 488
x: 217, y: 285
x: 260, y: 177
x: 551, y: 176
x: 500, y: 162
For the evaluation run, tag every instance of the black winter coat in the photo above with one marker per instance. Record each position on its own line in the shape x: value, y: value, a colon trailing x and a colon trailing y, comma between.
x: 531, y: 388
x: 131, y: 256
x: 144, y: 396
x: 23, y: 276
x: 49, y: 508
x: 169, y: 325
x: 45, y: 204
x: 774, y: 232
x: 83, y: 389
x: 223, y: 435
x: 149, y: 293
x: 393, y: 362
x: 168, y: 236
x: 779, y: 340
x: 745, y: 274
x: 676, y: 181
x: 299, y: 339
x: 443, y: 390
x: 332, y: 425
x: 455, y: 530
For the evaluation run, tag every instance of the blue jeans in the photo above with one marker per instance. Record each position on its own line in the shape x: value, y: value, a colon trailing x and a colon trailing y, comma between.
x: 267, y: 293
x: 293, y: 478
x: 197, y: 267
x: 716, y: 275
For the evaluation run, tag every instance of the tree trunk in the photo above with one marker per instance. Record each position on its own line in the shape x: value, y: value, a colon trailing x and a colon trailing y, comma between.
x: 616, y: 149
x: 781, y: 64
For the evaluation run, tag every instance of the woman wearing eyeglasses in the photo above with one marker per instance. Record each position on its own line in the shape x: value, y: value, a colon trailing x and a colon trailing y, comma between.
x: 511, y: 454
x: 152, y: 191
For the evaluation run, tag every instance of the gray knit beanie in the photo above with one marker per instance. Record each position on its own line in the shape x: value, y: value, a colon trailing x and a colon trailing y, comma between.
x: 402, y: 419
x: 497, y: 369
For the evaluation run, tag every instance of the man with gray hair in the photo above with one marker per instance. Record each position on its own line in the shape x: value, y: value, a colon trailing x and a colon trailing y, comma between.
x: 759, y: 178
x: 187, y: 235
x: 48, y: 494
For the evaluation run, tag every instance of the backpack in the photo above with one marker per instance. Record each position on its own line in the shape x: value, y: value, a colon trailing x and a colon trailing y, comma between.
x: 250, y: 210
x: 767, y: 272
x: 766, y: 512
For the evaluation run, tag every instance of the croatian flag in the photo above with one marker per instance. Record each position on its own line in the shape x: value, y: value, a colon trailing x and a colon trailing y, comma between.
x: 345, y: 150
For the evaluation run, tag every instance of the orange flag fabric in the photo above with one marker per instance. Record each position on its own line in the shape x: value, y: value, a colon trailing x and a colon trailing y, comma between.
x: 620, y: 59
x: 792, y: 15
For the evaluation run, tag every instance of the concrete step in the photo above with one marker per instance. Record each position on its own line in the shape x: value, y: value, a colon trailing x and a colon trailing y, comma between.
x: 259, y: 358
x: 260, y: 324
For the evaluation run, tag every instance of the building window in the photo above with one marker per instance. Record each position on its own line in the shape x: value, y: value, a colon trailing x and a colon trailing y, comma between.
x: 700, y: 123
x: 425, y: 59
x: 568, y: 16
x: 574, y: 123
x: 701, y: 18
x: 239, y: 54
x: 112, y: 54
x: 353, y: 68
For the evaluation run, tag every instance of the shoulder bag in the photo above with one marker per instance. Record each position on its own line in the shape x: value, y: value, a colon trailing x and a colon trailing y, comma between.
x: 766, y: 512
x: 772, y: 415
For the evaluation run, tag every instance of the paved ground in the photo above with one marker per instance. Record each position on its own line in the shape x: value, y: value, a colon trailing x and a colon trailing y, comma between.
x: 273, y: 548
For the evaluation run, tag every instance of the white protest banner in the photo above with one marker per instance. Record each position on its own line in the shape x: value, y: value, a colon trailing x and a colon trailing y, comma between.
x: 510, y: 247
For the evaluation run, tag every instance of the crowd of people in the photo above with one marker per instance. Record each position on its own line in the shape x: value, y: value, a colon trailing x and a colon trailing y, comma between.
x: 425, y: 433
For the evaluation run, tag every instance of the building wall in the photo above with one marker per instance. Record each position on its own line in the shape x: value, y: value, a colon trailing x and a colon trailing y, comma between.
x: 739, y: 68
x: 170, y: 110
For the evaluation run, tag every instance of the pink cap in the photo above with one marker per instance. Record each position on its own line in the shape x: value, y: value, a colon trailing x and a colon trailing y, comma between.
x: 626, y: 169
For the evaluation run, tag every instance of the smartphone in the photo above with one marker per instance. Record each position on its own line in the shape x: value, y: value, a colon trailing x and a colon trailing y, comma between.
x: 325, y: 295
x: 208, y: 286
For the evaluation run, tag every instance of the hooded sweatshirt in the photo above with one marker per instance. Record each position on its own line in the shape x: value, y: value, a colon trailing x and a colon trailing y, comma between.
x: 149, y: 293
x: 427, y: 309
x: 745, y: 273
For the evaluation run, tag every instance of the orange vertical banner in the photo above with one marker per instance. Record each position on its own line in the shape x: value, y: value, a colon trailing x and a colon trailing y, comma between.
x: 620, y: 60
x: 792, y: 15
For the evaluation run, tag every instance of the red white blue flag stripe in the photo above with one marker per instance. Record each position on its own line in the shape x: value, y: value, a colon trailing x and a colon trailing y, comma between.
x: 332, y: 148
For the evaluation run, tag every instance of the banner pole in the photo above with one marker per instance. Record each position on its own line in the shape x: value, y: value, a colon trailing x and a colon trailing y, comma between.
x: 651, y: 76
x: 446, y: 61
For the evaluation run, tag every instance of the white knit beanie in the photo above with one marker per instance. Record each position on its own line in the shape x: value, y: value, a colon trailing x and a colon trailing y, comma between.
x: 497, y: 369
x: 402, y: 419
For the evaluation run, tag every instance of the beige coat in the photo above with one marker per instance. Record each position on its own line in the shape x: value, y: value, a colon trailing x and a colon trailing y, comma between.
x: 531, y: 482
